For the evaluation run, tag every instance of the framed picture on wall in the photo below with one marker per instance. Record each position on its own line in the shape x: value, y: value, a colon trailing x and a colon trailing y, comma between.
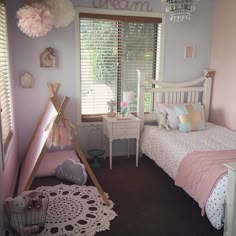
x: 188, y: 52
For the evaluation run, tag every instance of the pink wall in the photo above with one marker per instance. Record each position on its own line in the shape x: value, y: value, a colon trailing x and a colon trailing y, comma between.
x: 8, y: 176
x: 8, y: 173
x: 11, y: 165
x: 10, y: 170
x: 223, y: 59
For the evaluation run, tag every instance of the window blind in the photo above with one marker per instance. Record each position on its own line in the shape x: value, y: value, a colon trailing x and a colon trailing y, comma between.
x: 112, y: 48
x: 5, y: 96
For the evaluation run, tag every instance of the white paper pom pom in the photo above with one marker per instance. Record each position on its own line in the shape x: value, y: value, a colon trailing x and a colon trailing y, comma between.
x: 35, y: 20
x: 63, y: 12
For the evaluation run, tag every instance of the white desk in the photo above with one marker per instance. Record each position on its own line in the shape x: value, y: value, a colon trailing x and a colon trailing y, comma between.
x: 121, y: 129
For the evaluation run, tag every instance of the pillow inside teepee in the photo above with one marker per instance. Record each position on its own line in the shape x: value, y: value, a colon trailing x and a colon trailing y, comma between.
x: 51, y: 160
x: 71, y: 171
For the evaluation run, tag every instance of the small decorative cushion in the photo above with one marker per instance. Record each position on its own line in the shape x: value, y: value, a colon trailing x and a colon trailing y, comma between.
x: 71, y: 171
x: 190, y: 117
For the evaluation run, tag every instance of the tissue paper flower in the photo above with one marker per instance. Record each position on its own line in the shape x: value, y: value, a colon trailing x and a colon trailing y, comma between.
x: 35, y: 20
x: 123, y: 104
x: 63, y: 12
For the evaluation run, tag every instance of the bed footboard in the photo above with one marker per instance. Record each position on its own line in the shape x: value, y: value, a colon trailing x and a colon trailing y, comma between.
x: 230, y: 208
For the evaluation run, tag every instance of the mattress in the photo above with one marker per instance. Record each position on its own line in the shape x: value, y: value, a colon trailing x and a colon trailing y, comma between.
x: 168, y: 147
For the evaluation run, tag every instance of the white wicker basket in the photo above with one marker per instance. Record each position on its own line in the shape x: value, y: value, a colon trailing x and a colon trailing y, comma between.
x: 26, y: 214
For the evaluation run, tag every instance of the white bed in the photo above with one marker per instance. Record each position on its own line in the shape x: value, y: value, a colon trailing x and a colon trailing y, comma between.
x: 168, y: 148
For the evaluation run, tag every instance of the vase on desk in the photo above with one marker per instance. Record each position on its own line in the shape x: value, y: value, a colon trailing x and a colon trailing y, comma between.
x: 124, y: 109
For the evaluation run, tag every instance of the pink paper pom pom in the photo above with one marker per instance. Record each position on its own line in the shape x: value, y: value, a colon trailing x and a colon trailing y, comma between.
x: 35, y: 20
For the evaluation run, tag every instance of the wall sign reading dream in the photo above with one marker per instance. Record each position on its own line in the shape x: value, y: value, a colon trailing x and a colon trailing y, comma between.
x: 123, y: 5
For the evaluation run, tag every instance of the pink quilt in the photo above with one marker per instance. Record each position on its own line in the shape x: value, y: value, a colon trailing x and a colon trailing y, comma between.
x: 199, y: 171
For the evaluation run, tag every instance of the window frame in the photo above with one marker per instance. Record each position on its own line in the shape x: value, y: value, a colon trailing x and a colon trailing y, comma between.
x: 80, y: 122
x: 5, y: 147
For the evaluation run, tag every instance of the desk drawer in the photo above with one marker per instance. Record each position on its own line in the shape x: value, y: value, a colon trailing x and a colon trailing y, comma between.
x: 125, y: 125
x: 124, y: 132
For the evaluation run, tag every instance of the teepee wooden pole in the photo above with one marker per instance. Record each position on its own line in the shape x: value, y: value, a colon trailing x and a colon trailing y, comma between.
x: 89, y: 170
x: 60, y: 110
x: 52, y: 88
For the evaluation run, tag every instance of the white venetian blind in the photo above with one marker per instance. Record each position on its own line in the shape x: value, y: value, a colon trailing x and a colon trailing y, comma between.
x: 5, y: 97
x: 111, y: 49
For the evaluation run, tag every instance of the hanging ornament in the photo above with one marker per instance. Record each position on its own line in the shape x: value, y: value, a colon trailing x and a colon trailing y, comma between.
x: 35, y: 20
x: 63, y: 12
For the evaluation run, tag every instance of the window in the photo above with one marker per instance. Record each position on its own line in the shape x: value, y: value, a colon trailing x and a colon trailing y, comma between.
x: 5, y: 96
x: 112, y: 48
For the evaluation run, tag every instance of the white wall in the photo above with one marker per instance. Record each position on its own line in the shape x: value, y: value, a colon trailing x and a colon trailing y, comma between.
x: 30, y: 102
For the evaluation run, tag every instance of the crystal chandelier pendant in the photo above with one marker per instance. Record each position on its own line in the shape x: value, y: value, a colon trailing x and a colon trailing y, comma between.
x: 180, y: 10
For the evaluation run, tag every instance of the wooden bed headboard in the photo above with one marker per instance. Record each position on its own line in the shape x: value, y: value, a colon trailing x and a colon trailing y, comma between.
x: 198, y: 90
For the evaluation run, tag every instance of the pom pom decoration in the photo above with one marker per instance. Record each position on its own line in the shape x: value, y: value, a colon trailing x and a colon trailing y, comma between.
x: 35, y: 20
x: 63, y: 12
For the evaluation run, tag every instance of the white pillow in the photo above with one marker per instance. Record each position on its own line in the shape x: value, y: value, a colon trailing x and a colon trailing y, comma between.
x: 171, y: 113
x: 172, y: 117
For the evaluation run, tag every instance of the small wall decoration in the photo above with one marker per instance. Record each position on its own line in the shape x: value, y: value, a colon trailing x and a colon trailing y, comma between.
x: 123, y: 5
x: 26, y: 80
x: 188, y: 52
x: 48, y: 58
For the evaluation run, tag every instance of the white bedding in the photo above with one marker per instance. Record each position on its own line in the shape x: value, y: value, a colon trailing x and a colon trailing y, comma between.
x: 168, y: 148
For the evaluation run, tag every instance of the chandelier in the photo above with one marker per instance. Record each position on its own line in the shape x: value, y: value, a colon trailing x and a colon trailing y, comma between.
x: 180, y: 10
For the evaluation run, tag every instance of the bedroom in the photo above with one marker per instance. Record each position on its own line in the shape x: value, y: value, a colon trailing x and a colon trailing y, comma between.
x: 210, y: 30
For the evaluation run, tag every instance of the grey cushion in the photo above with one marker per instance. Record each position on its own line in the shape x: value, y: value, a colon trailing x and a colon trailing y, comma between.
x: 72, y: 172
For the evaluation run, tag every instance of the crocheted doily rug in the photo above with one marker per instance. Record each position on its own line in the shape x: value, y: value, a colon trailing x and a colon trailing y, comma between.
x: 75, y: 210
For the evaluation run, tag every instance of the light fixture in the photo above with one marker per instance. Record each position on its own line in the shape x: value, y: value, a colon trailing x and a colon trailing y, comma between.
x: 180, y: 10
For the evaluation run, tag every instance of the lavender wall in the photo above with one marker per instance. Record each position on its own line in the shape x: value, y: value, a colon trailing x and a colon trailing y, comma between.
x: 9, y: 169
x: 30, y: 102
x: 223, y: 110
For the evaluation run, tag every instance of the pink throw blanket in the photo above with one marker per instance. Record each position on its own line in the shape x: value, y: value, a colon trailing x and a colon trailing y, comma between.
x: 199, y: 171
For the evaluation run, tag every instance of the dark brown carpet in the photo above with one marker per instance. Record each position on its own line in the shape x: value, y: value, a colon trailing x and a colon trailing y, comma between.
x: 147, y: 201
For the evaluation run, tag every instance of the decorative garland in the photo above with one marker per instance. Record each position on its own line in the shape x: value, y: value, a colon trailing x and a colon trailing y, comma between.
x: 123, y: 5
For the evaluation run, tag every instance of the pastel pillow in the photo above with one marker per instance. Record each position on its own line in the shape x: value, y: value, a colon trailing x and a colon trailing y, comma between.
x: 190, y: 117
x: 71, y: 171
x: 171, y: 114
x: 51, y: 160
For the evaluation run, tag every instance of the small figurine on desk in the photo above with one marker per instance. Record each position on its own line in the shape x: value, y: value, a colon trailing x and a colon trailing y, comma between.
x: 111, y: 107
